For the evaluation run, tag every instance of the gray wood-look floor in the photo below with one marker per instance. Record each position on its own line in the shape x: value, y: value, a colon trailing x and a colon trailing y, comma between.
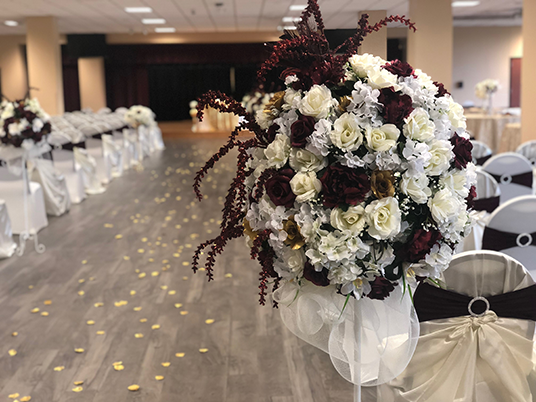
x: 251, y: 356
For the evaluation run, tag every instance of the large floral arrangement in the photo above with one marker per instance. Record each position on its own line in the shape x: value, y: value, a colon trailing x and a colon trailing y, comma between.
x: 23, y: 123
x: 486, y: 88
x: 139, y: 115
x: 359, y: 173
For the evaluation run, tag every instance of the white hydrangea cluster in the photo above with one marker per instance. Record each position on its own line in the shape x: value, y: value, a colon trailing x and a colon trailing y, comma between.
x: 139, y: 115
x: 23, y: 123
x: 486, y: 87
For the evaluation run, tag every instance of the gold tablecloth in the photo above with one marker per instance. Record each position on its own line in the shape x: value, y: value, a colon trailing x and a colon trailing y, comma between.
x: 489, y: 128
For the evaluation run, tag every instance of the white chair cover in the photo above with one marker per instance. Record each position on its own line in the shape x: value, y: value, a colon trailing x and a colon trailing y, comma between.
x: 12, y: 190
x: 471, y: 359
x: 113, y: 155
x: 486, y: 187
x: 7, y: 245
x: 157, y: 143
x: 64, y: 162
x: 528, y: 150
x: 480, y: 150
x: 95, y: 148
x: 87, y: 165
x: 54, y: 185
x: 518, y: 216
x: 132, y: 148
x: 144, y: 143
x: 507, y: 165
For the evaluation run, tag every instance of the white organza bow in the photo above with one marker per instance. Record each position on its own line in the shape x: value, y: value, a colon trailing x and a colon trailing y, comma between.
x: 369, y: 341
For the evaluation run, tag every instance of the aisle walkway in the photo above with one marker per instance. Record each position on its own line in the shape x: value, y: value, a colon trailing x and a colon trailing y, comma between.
x: 115, y: 286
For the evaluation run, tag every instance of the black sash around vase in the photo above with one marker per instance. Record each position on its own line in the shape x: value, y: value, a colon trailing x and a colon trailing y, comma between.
x: 487, y: 204
x: 523, y: 179
x: 480, y: 161
x: 498, y: 240
x: 433, y: 303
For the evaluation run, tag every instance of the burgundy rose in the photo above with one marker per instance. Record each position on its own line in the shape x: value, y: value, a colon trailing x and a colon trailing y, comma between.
x: 325, y: 72
x: 396, y: 107
x: 300, y: 130
x: 400, y: 68
x: 442, y: 91
x: 470, y: 200
x: 270, y: 134
x: 462, y: 149
x: 381, y: 288
x: 314, y: 276
x: 342, y: 185
x: 278, y: 188
x: 421, y: 244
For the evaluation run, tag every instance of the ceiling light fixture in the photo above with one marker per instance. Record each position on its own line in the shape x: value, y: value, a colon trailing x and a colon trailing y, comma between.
x: 153, y: 21
x: 465, y: 3
x: 138, y: 10
x: 291, y: 19
x: 289, y: 27
x: 298, y: 7
x: 11, y: 23
x: 165, y: 30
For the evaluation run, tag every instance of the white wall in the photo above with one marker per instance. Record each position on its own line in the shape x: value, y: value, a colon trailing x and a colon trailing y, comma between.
x: 484, y: 52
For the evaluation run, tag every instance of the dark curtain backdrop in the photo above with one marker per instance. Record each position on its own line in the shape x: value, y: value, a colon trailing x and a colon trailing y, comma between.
x: 71, y: 86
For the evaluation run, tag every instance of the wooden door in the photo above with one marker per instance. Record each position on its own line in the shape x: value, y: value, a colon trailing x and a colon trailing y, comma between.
x: 515, y: 82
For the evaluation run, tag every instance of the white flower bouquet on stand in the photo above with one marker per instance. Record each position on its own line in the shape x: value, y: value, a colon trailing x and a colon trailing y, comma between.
x: 357, y: 181
x: 484, y: 90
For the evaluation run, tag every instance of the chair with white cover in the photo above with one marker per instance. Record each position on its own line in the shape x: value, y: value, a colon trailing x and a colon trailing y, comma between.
x: 488, y: 196
x: 481, y: 152
x: 54, y: 185
x: 113, y: 155
x: 7, y: 245
x: 528, y: 150
x: 87, y: 165
x: 512, y: 230
x: 64, y: 162
x: 513, y: 172
x: 155, y: 135
x: 12, y: 191
x: 476, y: 338
x: 95, y: 148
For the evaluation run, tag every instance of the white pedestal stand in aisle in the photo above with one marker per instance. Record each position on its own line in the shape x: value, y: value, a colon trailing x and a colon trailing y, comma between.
x: 357, y: 353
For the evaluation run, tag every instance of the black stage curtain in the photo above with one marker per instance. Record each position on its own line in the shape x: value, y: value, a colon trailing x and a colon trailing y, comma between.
x: 71, y: 86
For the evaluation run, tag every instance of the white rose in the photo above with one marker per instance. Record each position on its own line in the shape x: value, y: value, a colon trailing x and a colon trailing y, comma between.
x: 290, y: 264
x: 302, y: 160
x: 441, y: 152
x: 379, y: 77
x: 37, y: 125
x: 363, y: 63
x: 425, y: 80
x: 418, y: 125
x: 8, y: 111
x: 292, y: 99
x: 13, y: 129
x: 444, y: 206
x: 317, y: 102
x: 306, y: 186
x: 353, y: 219
x: 383, y: 217
x: 346, y: 133
x: 383, y: 138
x: 416, y: 187
x: 456, y: 117
x: 278, y: 151
x: 456, y: 182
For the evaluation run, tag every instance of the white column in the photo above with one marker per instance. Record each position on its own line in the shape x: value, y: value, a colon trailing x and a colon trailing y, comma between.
x: 528, y: 66
x: 376, y: 42
x: 92, y: 83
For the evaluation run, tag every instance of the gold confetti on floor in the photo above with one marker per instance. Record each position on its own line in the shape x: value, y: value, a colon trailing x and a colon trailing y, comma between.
x: 133, y: 387
x: 34, y: 310
x: 12, y: 352
x: 172, y: 292
x: 44, y: 314
x: 137, y: 308
x: 203, y: 350
x: 14, y: 333
x: 13, y: 396
x: 138, y: 336
x: 90, y: 322
x: 159, y: 377
x: 26, y: 399
x: 184, y: 312
x: 178, y: 305
x: 166, y: 364
x: 47, y: 302
x: 78, y: 382
x: 156, y: 326
x: 181, y: 354
x: 79, y: 350
x: 209, y: 321
x: 100, y: 332
x: 99, y: 304
x: 59, y: 368
x: 78, y: 389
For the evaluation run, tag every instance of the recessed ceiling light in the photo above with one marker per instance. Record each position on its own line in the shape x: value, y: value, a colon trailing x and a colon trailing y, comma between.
x: 153, y: 21
x: 298, y: 7
x: 165, y: 30
x: 138, y: 10
x: 291, y: 19
x: 465, y: 3
x: 11, y: 23
x: 289, y: 27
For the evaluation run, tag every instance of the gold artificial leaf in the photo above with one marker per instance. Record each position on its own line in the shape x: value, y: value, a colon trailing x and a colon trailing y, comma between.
x: 133, y: 387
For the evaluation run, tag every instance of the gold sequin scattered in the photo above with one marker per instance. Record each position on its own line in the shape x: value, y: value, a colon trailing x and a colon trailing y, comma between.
x: 202, y: 269
x: 100, y: 332
x: 59, y: 368
x: 159, y: 377
x: 79, y: 350
x: 151, y: 259
x: 81, y: 293
x: 138, y: 336
x: 99, y: 304
x: 176, y: 255
x: 156, y: 326
x: 203, y: 350
x: 133, y: 387
x: 155, y: 273
x: 143, y: 320
x: 137, y: 308
x: 90, y: 322
x: 166, y: 364
x: 184, y: 312
x: 44, y: 314
x: 78, y: 389
x: 178, y: 305
x: 34, y: 310
x: 209, y: 321
x: 181, y: 354
x: 121, y: 303
x: 142, y: 275
x: 47, y: 302
x: 118, y: 236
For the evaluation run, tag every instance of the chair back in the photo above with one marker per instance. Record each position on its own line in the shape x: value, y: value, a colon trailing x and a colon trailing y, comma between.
x: 486, y: 185
x: 513, y: 172
x: 481, y: 152
x: 528, y: 150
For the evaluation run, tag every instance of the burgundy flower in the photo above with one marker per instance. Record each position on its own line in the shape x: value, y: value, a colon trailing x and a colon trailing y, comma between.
x: 421, y: 244
x: 400, y: 68
x: 462, y: 151
x: 267, y: 257
x: 471, y: 198
x: 442, y: 91
x: 312, y: 275
x: 300, y: 130
x: 278, y: 188
x: 325, y: 72
x: 270, y: 134
x: 342, y: 185
x: 396, y: 107
x: 381, y: 288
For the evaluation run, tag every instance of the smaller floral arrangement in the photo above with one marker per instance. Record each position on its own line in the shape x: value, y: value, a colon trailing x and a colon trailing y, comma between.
x: 23, y: 123
x: 486, y: 88
x: 139, y: 115
x: 255, y: 101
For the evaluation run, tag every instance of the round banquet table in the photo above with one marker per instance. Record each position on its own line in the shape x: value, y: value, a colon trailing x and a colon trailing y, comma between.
x: 489, y: 128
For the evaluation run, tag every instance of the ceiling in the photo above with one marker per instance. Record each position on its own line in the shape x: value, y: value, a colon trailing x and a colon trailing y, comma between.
x: 108, y: 16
